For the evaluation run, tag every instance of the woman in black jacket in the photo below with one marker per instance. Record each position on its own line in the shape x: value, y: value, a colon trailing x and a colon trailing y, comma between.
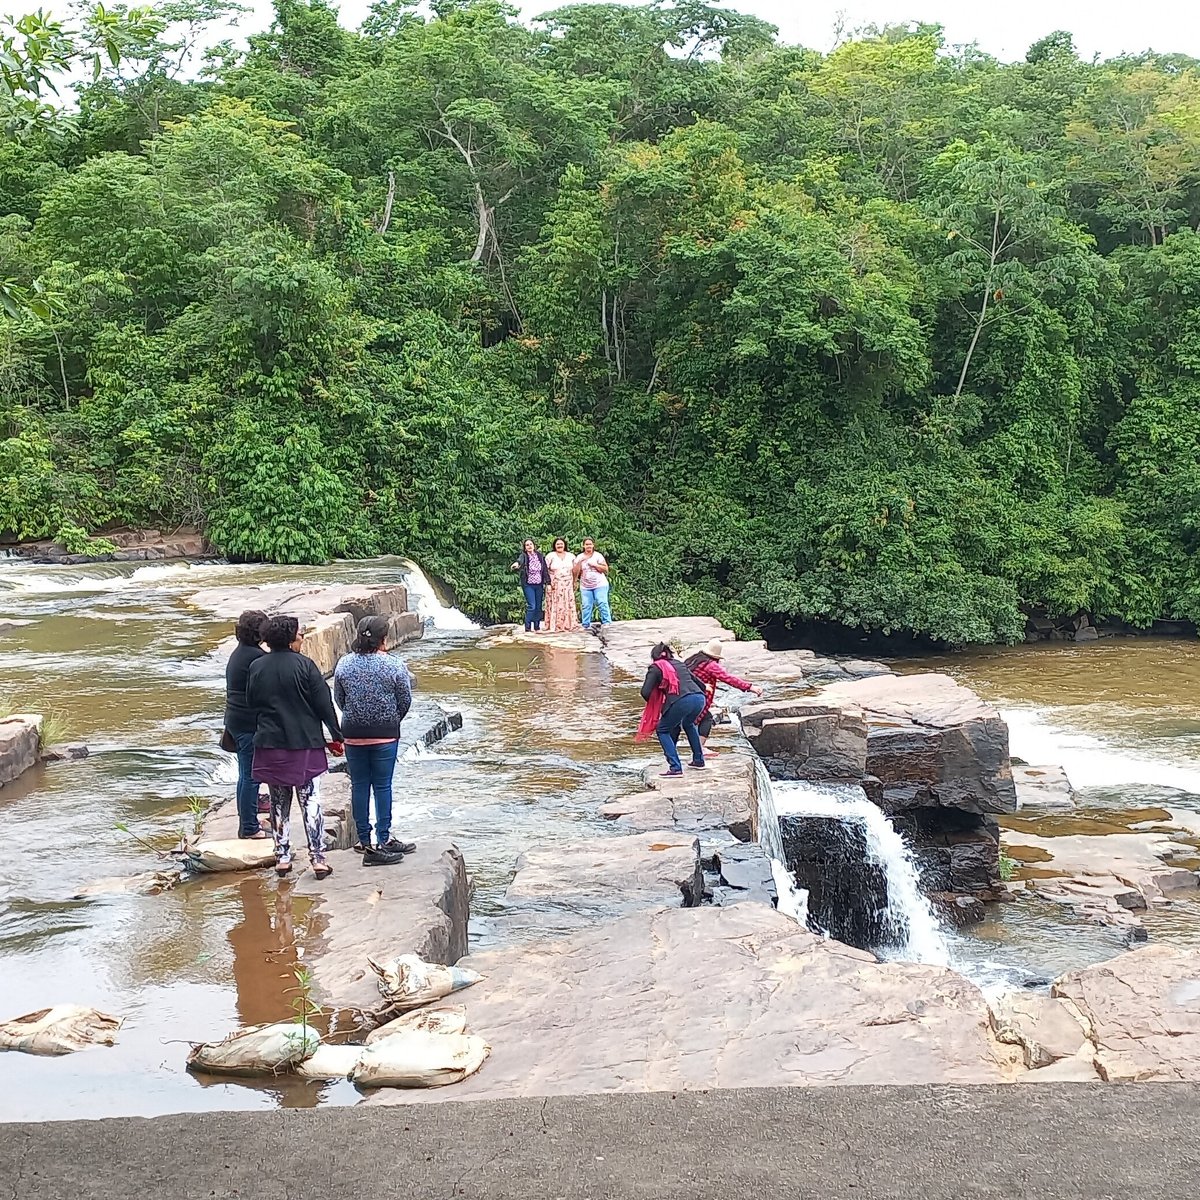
x: 240, y: 721
x: 674, y: 702
x: 535, y: 574
x: 291, y: 701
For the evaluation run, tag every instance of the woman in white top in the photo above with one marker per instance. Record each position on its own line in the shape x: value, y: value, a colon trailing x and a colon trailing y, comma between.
x: 592, y: 569
x: 561, y: 615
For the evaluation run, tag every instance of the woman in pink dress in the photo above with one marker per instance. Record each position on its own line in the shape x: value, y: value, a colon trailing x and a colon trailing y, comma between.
x: 561, y: 614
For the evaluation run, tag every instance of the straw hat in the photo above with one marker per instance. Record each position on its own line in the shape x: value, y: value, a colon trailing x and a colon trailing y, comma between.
x: 713, y: 649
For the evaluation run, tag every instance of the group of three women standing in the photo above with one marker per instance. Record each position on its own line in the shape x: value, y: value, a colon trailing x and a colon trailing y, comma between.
x: 277, y: 709
x: 548, y: 581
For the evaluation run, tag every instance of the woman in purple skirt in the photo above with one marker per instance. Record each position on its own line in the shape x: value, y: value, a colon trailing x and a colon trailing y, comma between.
x: 291, y: 701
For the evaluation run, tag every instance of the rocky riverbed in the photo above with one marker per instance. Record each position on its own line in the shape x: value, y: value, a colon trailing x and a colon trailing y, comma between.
x: 625, y: 925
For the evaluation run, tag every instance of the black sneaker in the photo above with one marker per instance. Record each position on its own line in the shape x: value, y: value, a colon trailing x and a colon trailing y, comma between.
x: 399, y: 847
x: 381, y: 856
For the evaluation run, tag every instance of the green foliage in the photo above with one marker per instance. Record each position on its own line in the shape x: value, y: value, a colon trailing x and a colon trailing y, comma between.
x: 891, y: 338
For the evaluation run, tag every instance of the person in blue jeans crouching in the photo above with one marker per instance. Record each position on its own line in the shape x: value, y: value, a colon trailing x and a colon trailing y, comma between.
x: 374, y: 691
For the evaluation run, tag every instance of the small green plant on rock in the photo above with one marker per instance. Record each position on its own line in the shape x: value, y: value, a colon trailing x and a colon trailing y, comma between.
x: 1008, y: 866
x: 56, y: 728
x: 303, y: 1005
x: 197, y: 806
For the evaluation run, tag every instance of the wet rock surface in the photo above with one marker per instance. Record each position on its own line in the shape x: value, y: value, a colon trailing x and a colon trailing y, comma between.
x: 557, y: 889
x: 1142, y: 1011
x: 1043, y: 789
x: 710, y: 997
x: 808, y: 738
x: 20, y: 745
x: 932, y: 743
x: 722, y: 796
x: 138, y: 545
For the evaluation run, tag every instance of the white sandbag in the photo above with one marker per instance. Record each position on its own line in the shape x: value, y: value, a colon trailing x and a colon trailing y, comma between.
x: 330, y: 1062
x: 408, y: 981
x: 233, y: 854
x: 452, y: 1019
x: 258, y: 1050
x: 419, y: 1059
x: 148, y: 883
x: 62, y: 1029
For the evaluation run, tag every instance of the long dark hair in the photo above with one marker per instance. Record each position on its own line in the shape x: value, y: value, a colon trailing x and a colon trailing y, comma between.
x: 699, y: 658
x: 372, y: 634
x: 280, y: 632
x: 248, y: 629
x: 662, y: 650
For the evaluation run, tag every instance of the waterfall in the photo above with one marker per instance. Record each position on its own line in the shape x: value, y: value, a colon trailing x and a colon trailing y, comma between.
x: 910, y: 926
x: 427, y: 604
x: 792, y: 900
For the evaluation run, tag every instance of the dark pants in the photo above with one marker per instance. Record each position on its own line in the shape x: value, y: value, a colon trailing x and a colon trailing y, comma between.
x: 535, y: 594
x: 247, y: 786
x: 704, y: 726
x: 371, y: 769
x: 681, y: 713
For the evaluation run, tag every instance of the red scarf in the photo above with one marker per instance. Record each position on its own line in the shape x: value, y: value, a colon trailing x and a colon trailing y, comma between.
x: 658, y: 700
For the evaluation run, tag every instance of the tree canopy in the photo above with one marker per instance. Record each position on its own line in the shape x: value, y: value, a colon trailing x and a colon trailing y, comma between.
x: 899, y: 337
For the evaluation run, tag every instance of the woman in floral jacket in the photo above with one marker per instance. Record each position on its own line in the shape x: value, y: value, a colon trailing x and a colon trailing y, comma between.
x: 706, y: 669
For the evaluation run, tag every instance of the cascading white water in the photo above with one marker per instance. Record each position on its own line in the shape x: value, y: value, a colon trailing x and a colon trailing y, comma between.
x: 424, y: 599
x: 912, y: 926
x: 792, y: 900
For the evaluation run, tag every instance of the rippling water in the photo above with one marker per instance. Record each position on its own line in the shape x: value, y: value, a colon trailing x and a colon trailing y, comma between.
x: 132, y: 670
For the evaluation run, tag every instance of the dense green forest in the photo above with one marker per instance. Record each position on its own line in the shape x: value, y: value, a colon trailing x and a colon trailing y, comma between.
x: 897, y: 337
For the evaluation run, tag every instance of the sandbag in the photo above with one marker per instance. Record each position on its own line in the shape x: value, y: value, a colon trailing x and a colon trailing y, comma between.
x: 452, y: 1019
x: 408, y: 981
x: 257, y: 1050
x: 234, y: 854
x: 420, y: 1059
x: 330, y: 1062
x: 62, y: 1029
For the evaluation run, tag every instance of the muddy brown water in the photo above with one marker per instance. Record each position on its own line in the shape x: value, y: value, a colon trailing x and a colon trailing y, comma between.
x: 115, y: 652
x: 129, y: 668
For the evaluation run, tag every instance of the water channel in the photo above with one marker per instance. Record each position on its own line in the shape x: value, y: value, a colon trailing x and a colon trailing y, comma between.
x: 131, y: 670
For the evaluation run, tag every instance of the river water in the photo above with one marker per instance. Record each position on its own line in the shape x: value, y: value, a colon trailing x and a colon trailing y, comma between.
x: 116, y: 653
x: 131, y: 670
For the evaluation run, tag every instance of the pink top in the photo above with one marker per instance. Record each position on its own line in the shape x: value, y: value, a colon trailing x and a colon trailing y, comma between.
x: 589, y: 577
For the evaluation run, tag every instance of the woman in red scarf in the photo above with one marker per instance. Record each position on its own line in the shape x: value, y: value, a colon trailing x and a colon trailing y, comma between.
x: 674, y: 702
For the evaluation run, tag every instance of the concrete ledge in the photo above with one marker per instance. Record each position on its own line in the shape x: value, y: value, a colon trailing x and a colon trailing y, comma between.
x: 1071, y: 1142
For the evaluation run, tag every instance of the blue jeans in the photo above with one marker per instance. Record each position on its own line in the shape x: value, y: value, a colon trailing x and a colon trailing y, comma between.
x: 247, y: 788
x: 595, y: 598
x: 681, y: 713
x: 371, y: 769
x: 535, y: 594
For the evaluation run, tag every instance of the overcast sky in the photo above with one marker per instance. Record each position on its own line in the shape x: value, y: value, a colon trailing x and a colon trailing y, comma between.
x: 1005, y: 29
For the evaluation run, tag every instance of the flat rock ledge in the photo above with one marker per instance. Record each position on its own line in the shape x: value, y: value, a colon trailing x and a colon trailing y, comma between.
x: 329, y: 615
x: 558, y: 889
x: 723, y: 796
x: 695, y: 998
x: 20, y: 745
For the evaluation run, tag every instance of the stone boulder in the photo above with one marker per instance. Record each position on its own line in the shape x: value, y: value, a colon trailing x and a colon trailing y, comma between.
x: 697, y: 998
x: 931, y: 743
x: 1043, y: 789
x: 724, y: 796
x: 808, y: 738
x: 559, y: 888
x: 1045, y: 1028
x: 744, y: 873
x: 419, y: 907
x: 20, y: 745
x: 327, y: 638
x: 1142, y: 1013
x: 627, y: 644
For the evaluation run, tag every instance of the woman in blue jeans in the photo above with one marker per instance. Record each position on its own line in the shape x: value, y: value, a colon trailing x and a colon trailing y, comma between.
x: 535, y: 574
x: 674, y: 702
x: 374, y: 691
x: 241, y: 721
